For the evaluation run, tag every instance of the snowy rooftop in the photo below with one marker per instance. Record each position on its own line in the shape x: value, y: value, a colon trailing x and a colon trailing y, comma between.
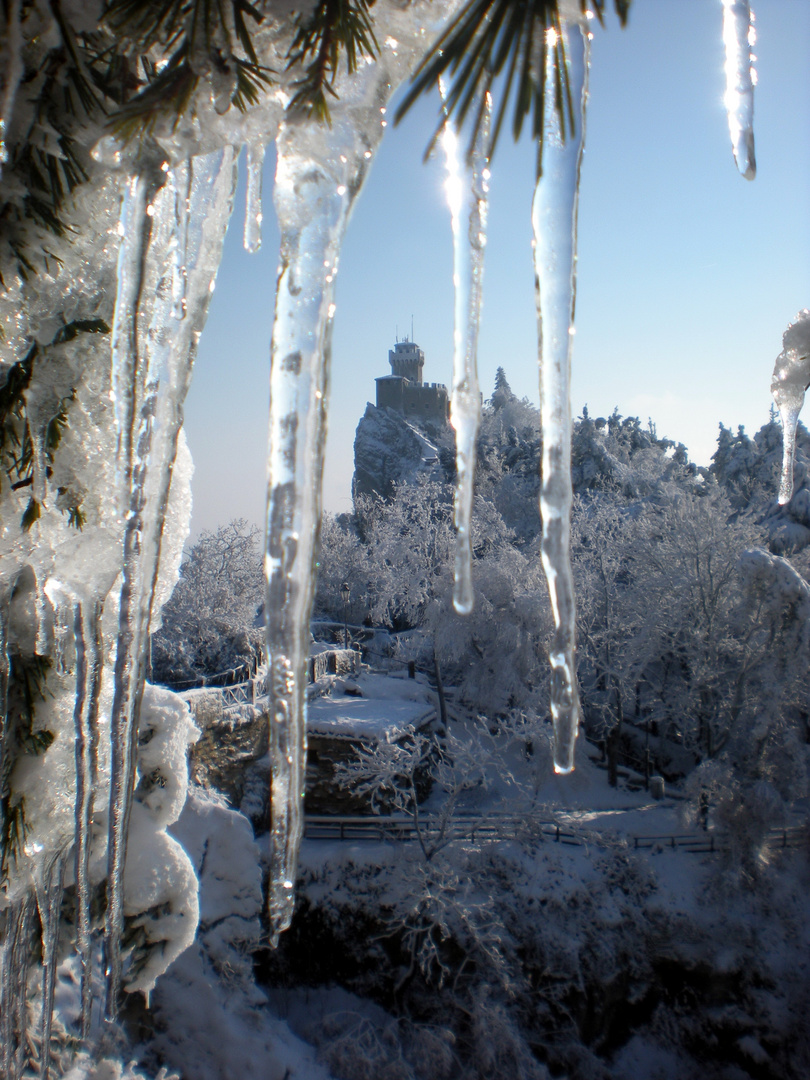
x: 376, y: 707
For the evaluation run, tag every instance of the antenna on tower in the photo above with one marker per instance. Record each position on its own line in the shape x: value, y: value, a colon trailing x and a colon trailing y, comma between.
x: 411, y: 327
x: 396, y: 335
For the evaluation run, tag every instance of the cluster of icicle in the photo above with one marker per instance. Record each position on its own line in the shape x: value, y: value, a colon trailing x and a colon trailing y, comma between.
x: 554, y: 223
x: 167, y: 254
x: 168, y: 258
x: 173, y: 217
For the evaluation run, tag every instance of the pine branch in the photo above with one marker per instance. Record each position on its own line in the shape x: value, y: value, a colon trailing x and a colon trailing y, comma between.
x: 335, y: 28
x: 194, y: 41
x: 492, y: 38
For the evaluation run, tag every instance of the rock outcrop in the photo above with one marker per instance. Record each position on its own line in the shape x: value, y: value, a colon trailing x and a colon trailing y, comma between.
x: 390, y: 450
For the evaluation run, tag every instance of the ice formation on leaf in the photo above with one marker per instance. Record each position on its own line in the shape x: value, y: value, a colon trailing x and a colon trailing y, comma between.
x: 554, y: 223
x: 791, y: 378
x: 739, y: 37
x: 467, y: 189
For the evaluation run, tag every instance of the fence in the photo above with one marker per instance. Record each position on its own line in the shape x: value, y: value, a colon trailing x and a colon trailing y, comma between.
x: 241, y: 694
x: 469, y: 826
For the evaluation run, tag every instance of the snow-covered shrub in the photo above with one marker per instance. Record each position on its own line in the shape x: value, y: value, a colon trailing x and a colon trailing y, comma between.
x: 498, y: 1047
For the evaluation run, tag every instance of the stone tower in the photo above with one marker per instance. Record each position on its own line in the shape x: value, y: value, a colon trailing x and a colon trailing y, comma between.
x: 407, y: 360
x: 404, y: 391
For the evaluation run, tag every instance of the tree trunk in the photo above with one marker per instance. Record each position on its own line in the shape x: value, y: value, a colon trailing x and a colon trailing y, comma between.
x: 440, y: 691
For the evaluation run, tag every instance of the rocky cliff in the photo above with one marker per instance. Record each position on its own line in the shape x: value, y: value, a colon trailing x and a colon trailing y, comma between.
x: 390, y: 450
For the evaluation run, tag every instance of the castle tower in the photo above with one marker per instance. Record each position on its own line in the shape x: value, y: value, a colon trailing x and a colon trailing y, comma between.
x: 407, y: 361
x: 405, y: 393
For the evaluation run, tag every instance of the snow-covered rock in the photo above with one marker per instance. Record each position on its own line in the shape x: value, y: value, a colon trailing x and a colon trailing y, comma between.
x: 390, y: 450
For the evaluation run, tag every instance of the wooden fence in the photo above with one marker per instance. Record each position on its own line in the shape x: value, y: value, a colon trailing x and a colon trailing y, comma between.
x: 472, y: 827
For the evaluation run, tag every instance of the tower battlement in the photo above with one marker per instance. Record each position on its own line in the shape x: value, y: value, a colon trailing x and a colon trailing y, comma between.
x: 404, y: 391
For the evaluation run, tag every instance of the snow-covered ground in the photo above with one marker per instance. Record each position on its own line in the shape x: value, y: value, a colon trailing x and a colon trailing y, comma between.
x: 210, y: 1020
x: 369, y: 706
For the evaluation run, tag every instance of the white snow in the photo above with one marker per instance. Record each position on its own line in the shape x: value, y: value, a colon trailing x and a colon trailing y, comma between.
x: 212, y: 1021
x: 368, y: 707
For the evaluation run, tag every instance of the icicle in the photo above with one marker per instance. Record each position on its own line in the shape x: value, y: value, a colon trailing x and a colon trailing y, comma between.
x: 49, y: 903
x: 182, y: 209
x: 158, y: 360
x: 13, y: 75
x: 5, y: 596
x: 739, y: 37
x: 253, y: 203
x: 312, y: 211
x: 554, y: 222
x: 44, y: 614
x: 135, y: 227
x: 467, y: 190
x: 14, y: 957
x: 791, y: 378
x: 319, y: 172
x: 89, y: 663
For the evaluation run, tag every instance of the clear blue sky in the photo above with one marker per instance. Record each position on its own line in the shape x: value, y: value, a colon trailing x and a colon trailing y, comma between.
x: 688, y: 274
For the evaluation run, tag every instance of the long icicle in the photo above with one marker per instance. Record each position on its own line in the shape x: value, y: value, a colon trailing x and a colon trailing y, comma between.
x: 137, y: 216
x: 791, y: 377
x: 318, y: 175
x: 14, y: 957
x: 49, y: 903
x: 87, y: 634
x: 554, y: 223
x: 739, y: 37
x: 160, y: 365
x: 298, y: 385
x: 467, y: 190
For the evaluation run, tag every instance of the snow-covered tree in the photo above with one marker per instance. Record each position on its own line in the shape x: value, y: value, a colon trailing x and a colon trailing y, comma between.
x: 209, y: 625
x: 343, y: 558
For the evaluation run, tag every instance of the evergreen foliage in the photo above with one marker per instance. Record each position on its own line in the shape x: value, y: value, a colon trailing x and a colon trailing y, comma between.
x: 510, y: 38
